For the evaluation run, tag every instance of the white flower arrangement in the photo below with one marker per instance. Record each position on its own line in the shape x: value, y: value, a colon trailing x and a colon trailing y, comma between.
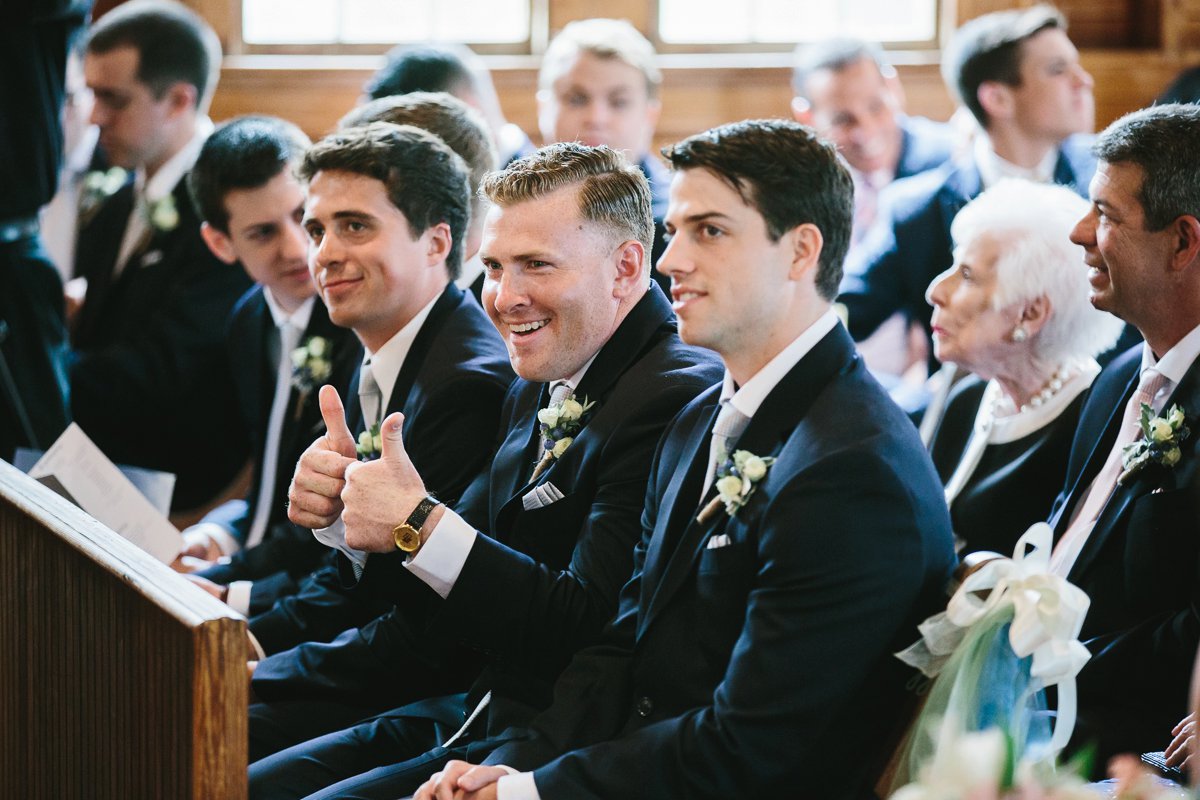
x: 99, y: 185
x: 736, y: 479
x: 163, y: 214
x: 311, y: 366
x: 369, y: 444
x: 560, y: 424
x: 1161, y: 437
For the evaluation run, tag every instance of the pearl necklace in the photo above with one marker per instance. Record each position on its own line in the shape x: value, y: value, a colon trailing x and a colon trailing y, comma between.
x: 1052, y: 387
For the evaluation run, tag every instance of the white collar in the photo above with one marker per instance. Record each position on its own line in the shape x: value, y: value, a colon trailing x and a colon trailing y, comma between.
x: 298, y: 318
x: 386, y: 363
x: 174, y: 168
x: 875, y: 180
x: 574, y: 380
x: 748, y: 397
x: 1175, y: 362
x: 993, y: 168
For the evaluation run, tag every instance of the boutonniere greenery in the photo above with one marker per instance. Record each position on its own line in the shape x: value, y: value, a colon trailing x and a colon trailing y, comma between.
x: 736, y: 478
x: 558, y: 426
x: 99, y: 185
x: 1161, y: 437
x: 164, y: 217
x: 369, y: 444
x: 311, y: 367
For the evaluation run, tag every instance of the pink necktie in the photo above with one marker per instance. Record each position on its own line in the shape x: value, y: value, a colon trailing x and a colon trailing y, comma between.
x: 1071, y: 544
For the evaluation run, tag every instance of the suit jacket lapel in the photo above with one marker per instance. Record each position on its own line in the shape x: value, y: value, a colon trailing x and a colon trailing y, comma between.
x: 1187, y: 396
x: 517, y: 455
x: 96, y: 254
x: 442, y: 308
x: 776, y: 418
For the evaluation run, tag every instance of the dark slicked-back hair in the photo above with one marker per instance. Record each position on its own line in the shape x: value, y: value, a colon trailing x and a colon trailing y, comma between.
x: 446, y: 117
x: 611, y: 192
x: 834, y: 55
x: 244, y: 153
x: 988, y: 48
x: 788, y: 174
x: 422, y: 176
x: 1162, y: 141
x: 421, y: 68
x: 173, y: 44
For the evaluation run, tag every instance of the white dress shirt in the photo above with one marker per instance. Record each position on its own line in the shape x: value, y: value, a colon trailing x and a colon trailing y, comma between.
x: 440, y: 560
x: 746, y: 399
x: 162, y: 185
x: 1172, y: 366
x: 993, y: 168
x: 385, y: 366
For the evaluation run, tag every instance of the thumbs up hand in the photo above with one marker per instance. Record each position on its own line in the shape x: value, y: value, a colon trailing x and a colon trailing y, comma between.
x: 314, y: 498
x: 381, y: 494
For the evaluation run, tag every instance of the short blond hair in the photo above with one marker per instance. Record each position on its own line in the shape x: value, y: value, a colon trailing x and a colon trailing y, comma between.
x: 611, y: 192
x: 603, y: 38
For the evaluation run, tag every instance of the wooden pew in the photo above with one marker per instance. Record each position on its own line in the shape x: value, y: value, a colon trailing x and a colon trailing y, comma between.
x: 117, y: 678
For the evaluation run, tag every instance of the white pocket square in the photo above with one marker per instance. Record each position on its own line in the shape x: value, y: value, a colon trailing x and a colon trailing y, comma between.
x: 720, y: 540
x: 151, y: 258
x: 541, y: 496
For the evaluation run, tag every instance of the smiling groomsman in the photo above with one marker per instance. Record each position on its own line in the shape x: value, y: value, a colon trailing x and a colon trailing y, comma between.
x: 1126, y: 527
x: 794, y: 530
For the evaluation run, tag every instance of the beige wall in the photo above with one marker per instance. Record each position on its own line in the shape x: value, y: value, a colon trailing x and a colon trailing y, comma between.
x: 1132, y: 47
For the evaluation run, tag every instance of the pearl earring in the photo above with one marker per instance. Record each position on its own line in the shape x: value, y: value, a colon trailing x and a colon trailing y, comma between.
x: 1019, y: 334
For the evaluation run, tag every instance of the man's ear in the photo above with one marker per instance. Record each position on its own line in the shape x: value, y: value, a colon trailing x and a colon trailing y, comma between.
x: 181, y: 97
x: 996, y: 99
x: 1187, y: 242
x: 630, y: 262
x: 807, y: 244
x: 440, y: 240
x: 218, y: 242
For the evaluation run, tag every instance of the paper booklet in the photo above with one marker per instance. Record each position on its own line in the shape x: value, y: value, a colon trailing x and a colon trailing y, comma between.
x: 76, y: 469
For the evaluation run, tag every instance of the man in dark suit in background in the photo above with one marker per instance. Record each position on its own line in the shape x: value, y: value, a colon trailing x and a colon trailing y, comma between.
x: 150, y: 382
x: 1127, y: 534
x: 792, y: 539
x: 386, y: 211
x: 1020, y: 77
x: 541, y: 578
x: 34, y: 41
x: 244, y: 188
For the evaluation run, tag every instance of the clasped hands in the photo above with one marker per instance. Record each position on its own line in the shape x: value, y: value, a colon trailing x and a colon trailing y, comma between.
x: 371, y: 498
x: 459, y: 780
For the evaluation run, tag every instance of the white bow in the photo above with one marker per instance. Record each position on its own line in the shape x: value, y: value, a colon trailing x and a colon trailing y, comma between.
x: 1048, y: 615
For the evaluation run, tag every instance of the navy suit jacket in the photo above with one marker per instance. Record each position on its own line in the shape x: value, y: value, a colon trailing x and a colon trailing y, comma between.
x: 747, y: 669
x: 909, y: 245
x: 150, y: 380
x: 924, y: 145
x: 287, y: 552
x: 547, y: 580
x: 1140, y: 568
x: 450, y: 390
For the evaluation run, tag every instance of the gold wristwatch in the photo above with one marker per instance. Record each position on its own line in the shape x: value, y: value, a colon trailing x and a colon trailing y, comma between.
x: 407, y: 534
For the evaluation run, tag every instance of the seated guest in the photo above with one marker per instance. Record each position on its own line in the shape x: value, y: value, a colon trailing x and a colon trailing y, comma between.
x: 1014, y: 311
x: 566, y: 242
x: 1020, y: 77
x: 150, y: 382
x: 456, y: 70
x: 794, y: 531
x: 386, y: 214
x: 1125, y: 527
x: 244, y: 188
x: 599, y: 84
x: 465, y: 131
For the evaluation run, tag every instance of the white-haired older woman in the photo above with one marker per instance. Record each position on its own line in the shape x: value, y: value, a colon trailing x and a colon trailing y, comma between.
x: 1013, y: 310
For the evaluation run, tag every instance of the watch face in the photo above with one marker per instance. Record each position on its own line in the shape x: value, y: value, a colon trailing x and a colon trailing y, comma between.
x: 407, y: 537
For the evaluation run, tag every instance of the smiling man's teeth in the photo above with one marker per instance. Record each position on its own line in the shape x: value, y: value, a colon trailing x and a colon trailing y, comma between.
x: 683, y: 298
x: 529, y: 326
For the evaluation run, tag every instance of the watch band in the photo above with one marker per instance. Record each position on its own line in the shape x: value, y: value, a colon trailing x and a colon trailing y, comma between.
x: 421, y: 512
x: 407, y: 535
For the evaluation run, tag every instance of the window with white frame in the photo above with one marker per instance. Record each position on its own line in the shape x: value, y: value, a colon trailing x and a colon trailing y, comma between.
x: 788, y: 21
x: 332, y: 22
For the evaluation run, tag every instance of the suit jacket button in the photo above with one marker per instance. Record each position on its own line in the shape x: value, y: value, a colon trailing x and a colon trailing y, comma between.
x: 645, y: 706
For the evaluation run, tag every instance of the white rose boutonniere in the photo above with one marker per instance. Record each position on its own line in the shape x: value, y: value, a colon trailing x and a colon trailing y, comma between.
x: 311, y: 367
x: 369, y: 445
x: 736, y: 479
x: 1161, y: 437
x: 164, y: 217
x: 558, y: 426
x: 98, y: 186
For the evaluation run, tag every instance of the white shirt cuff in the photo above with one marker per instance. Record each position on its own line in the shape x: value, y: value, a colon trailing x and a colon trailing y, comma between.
x: 238, y: 597
x: 335, y: 536
x: 203, y: 532
x: 440, y: 560
x: 517, y: 786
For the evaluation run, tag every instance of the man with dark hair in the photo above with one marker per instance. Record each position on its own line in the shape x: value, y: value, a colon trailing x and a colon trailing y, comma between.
x: 282, y: 349
x: 456, y: 124
x: 1019, y: 75
x: 1125, y: 525
x: 770, y: 588
x: 568, y: 287
x: 34, y: 41
x: 150, y: 382
x: 456, y: 70
x: 386, y: 211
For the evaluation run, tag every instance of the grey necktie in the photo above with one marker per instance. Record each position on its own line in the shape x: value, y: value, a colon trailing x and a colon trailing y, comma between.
x: 370, y: 398
x: 726, y: 430
x: 561, y: 391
